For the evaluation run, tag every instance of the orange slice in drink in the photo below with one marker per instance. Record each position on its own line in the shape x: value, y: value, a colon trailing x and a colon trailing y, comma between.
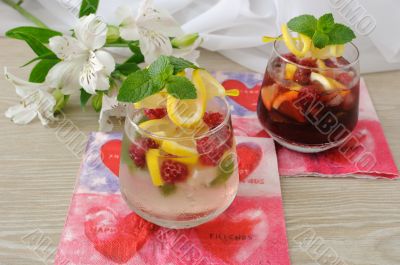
x: 268, y: 94
x: 284, y: 103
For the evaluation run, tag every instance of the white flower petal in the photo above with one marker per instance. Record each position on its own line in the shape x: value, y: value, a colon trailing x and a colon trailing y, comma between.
x: 66, y: 47
x: 103, y: 82
x: 20, y: 115
x: 23, y: 88
x: 65, y: 76
x: 157, y: 20
x: 91, y: 31
x: 106, y: 60
x: 154, y: 44
x: 129, y: 32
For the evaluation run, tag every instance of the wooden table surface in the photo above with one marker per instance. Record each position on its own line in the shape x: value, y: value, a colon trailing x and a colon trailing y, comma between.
x: 358, y: 220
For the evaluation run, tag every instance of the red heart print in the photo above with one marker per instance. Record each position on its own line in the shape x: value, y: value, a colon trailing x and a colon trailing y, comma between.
x: 247, y: 97
x: 110, y: 153
x: 117, y: 238
x: 249, y: 156
x: 234, y: 238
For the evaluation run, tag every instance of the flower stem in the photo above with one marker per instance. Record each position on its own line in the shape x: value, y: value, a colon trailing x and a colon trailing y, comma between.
x: 25, y: 13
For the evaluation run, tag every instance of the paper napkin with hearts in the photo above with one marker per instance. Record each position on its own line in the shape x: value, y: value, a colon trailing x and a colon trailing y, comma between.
x: 366, y: 154
x: 100, y: 228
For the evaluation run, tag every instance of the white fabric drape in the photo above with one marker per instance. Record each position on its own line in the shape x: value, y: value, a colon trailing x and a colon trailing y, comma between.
x: 234, y: 27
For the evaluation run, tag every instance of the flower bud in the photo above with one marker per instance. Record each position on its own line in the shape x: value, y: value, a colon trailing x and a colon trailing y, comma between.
x: 184, y: 41
x: 61, y: 100
x: 112, y: 33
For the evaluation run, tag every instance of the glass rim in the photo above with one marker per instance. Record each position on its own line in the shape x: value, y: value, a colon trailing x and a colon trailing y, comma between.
x: 351, y: 64
x: 182, y: 138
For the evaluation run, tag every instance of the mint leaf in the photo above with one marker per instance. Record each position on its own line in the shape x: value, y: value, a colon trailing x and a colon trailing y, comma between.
x: 326, y: 23
x: 305, y: 24
x: 41, y: 69
x: 137, y: 86
x: 161, y: 67
x: 41, y: 34
x: 225, y: 170
x: 180, y: 87
x: 320, y: 39
x: 127, y: 68
x: 167, y: 189
x: 181, y: 64
x: 88, y: 7
x: 341, y: 34
x: 84, y: 98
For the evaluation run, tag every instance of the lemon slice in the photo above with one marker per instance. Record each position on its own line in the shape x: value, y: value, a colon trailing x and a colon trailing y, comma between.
x: 336, y: 50
x: 159, y: 127
x: 178, y: 149
x: 154, y: 101
x: 153, y: 165
x: 290, y: 70
x: 213, y: 87
x: 327, y: 82
x: 321, y: 79
x: 188, y: 112
x: 291, y: 44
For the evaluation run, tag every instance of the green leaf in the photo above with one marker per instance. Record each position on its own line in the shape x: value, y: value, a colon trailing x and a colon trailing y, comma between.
x: 320, y: 39
x: 41, y: 34
x: 305, y: 24
x: 127, y: 68
x: 88, y: 7
x: 181, y: 64
x: 97, y: 101
x: 137, y: 86
x: 85, y: 96
x: 225, y: 169
x: 45, y: 56
x: 41, y: 69
x: 161, y: 66
x: 137, y: 56
x: 341, y: 34
x: 39, y: 48
x: 326, y: 23
x: 61, y: 100
x: 180, y: 87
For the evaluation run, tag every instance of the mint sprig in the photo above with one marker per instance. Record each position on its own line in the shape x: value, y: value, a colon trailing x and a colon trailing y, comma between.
x: 323, y: 31
x: 159, y: 75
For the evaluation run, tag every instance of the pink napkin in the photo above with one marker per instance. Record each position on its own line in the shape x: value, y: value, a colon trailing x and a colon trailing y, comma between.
x: 365, y: 155
x: 100, y: 229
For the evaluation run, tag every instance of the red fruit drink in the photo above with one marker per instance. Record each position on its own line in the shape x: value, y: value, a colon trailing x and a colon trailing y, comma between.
x: 310, y: 104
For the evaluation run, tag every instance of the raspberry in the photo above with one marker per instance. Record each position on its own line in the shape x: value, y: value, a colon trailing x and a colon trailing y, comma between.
x: 212, y: 148
x: 291, y: 57
x: 309, y: 62
x: 173, y: 171
x: 137, y: 151
x: 138, y: 155
x: 309, y: 95
x: 344, y: 78
x: 148, y: 143
x: 302, y: 76
x: 153, y: 114
x: 213, y: 119
x: 329, y: 63
x: 342, y: 61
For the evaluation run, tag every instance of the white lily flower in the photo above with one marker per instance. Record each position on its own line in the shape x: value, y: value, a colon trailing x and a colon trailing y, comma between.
x: 83, y: 63
x: 36, y: 100
x: 151, y: 27
x: 190, y: 52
